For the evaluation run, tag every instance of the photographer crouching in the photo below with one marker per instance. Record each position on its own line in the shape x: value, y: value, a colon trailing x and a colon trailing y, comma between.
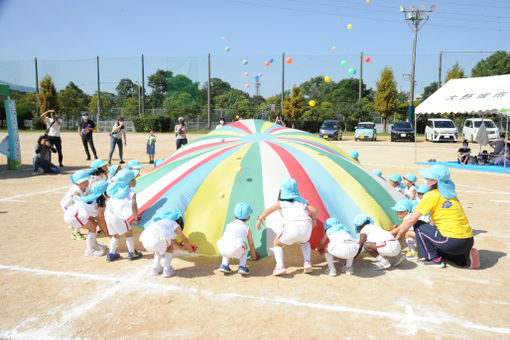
x: 42, y: 159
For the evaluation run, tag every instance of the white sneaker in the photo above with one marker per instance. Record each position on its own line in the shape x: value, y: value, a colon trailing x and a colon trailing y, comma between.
x: 347, y: 270
x: 279, y: 270
x: 157, y: 270
x: 168, y: 271
x: 382, y: 264
x: 330, y: 272
x: 98, y: 246
x: 307, y: 267
x: 94, y: 252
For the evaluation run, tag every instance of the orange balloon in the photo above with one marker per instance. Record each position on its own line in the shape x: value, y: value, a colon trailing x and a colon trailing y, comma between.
x: 268, y: 63
x: 289, y: 60
x: 247, y: 85
x: 223, y: 38
x: 246, y: 74
x: 334, y: 48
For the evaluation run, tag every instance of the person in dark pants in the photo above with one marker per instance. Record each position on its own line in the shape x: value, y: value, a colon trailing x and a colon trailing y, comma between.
x: 42, y: 159
x: 53, y: 124
x: 118, y: 130
x: 85, y: 129
x: 180, y: 133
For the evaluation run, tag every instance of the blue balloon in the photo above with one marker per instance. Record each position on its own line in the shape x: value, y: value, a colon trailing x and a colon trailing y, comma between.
x: 256, y: 76
x: 271, y: 60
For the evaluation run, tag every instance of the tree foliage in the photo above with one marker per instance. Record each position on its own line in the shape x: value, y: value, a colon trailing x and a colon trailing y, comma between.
x: 126, y: 89
x: 158, y: 82
x: 429, y: 90
x: 455, y: 72
x: 47, y: 96
x: 106, y: 103
x: 386, y: 97
x: 72, y: 100
x: 496, y: 64
x: 293, y: 106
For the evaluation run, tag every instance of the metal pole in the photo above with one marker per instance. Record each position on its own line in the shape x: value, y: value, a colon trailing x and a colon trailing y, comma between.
x: 505, y: 142
x: 283, y: 79
x: 411, y: 95
x: 139, y: 102
x: 415, y: 135
x: 209, y: 91
x: 143, y: 86
x: 440, y: 65
x: 98, y: 118
x: 36, y: 88
x: 360, y: 77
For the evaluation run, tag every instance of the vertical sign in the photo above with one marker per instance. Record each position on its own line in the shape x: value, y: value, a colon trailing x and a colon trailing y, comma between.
x: 14, y: 158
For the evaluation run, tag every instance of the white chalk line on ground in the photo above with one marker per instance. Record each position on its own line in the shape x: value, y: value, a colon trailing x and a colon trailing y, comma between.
x: 500, y: 201
x: 34, y: 193
x: 423, y: 322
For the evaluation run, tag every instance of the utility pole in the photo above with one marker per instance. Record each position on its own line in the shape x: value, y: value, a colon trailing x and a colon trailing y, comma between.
x: 36, y: 89
x: 143, y: 87
x: 283, y: 79
x: 415, y: 18
x: 98, y: 94
x: 209, y: 91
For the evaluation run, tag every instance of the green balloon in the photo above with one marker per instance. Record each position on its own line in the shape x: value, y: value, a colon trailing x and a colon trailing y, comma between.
x: 245, y: 62
x: 344, y: 63
x: 227, y: 49
x: 352, y: 71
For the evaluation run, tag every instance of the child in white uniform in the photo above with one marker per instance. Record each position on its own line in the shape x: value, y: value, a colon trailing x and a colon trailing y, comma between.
x: 297, y: 227
x: 378, y: 242
x: 232, y: 244
x: 159, y: 238
x: 113, y: 171
x: 422, y: 190
x: 410, y: 187
x: 394, y: 181
x: 342, y: 244
x: 121, y: 206
x: 80, y: 180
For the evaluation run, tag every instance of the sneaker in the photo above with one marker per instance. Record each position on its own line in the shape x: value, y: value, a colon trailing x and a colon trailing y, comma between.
x: 307, y: 267
x: 382, y: 264
x: 432, y: 263
x: 98, y: 246
x: 474, y: 259
x: 88, y: 158
x: 347, y: 270
x: 243, y: 270
x: 224, y: 268
x: 157, y: 270
x: 78, y: 236
x: 168, y: 271
x: 330, y: 272
x: 411, y: 255
x: 112, y: 257
x: 122, y: 162
x: 401, y: 258
x: 134, y: 255
x: 94, y: 252
x: 35, y: 173
x: 279, y: 271
x: 41, y: 171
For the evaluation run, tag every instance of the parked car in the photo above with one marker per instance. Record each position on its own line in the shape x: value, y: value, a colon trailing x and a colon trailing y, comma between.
x: 365, y: 130
x: 471, y: 126
x: 402, y: 131
x: 330, y: 129
x: 441, y: 129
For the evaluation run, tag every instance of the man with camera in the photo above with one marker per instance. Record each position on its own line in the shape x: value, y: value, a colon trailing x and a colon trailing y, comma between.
x: 53, y: 124
x: 85, y: 130
x: 42, y: 159
x: 180, y: 133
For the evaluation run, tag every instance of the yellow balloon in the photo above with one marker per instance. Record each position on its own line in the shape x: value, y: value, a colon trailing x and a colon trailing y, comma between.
x: 334, y: 48
x: 327, y: 79
x: 311, y: 103
x: 223, y: 38
x: 368, y: 1
x: 239, y: 169
x: 349, y: 26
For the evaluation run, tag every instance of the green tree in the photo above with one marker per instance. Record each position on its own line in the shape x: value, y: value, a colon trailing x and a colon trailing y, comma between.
x: 218, y: 87
x: 181, y: 99
x: 245, y: 108
x: 455, y: 72
x: 496, y: 64
x: 106, y: 103
x: 293, y: 106
x: 158, y: 82
x: 386, y: 97
x: 429, y: 90
x: 126, y: 89
x: 131, y: 106
x: 230, y: 100
x: 47, y: 97
x: 180, y: 83
x: 71, y: 101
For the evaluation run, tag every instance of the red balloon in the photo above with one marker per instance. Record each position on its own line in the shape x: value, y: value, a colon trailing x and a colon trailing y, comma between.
x: 268, y: 63
x: 289, y: 60
x: 367, y: 59
x: 247, y: 85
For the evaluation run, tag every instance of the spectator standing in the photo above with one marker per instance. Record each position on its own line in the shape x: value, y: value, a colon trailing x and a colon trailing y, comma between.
x: 180, y: 133
x: 53, y: 124
x: 118, y: 130
x: 85, y: 130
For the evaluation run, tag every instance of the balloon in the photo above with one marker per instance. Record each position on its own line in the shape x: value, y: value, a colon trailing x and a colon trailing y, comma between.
x: 289, y: 60
x: 343, y: 63
x: 267, y: 63
x: 334, y: 48
x: 367, y: 59
x: 246, y: 74
x: 256, y: 76
x: 223, y: 38
x: 227, y: 49
x: 311, y: 103
x: 352, y: 71
x: 368, y: 1
x: 245, y: 62
x: 271, y: 60
x: 246, y: 85
x: 259, y: 74
x: 327, y: 79
x: 349, y: 26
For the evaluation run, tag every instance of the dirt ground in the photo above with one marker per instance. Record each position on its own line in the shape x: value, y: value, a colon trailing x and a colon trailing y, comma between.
x: 50, y: 290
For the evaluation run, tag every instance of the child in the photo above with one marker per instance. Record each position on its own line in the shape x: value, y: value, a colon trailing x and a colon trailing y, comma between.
x: 151, y: 145
x: 80, y: 180
x: 342, y: 244
x: 394, y: 181
x: 158, y: 161
x: 297, y: 226
x: 232, y: 243
x: 404, y: 208
x: 410, y: 187
x: 378, y: 242
x: 355, y: 155
x: 159, y: 238
x: 120, y: 207
x: 378, y: 173
x: 98, y: 171
x: 134, y: 165
x: 113, y: 171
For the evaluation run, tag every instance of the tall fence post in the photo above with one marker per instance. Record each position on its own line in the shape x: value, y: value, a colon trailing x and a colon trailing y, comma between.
x: 98, y: 93
x: 283, y: 79
x: 209, y: 91
x: 143, y: 86
x: 36, y: 91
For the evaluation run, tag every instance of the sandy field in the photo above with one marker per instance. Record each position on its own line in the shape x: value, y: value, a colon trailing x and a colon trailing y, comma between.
x: 49, y: 290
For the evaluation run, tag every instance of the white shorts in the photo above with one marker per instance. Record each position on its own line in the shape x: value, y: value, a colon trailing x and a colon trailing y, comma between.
x: 296, y: 232
x: 388, y: 248
x: 343, y: 249
x: 153, y: 241
x: 77, y: 217
x: 116, y: 226
x: 231, y: 247
x: 76, y: 221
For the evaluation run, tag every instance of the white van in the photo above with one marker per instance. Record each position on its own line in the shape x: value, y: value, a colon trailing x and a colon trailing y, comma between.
x: 439, y: 129
x: 471, y: 126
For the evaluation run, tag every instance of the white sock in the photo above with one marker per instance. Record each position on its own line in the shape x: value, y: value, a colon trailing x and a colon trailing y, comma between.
x: 329, y: 260
x: 157, y: 260
x: 130, y: 242
x: 114, y: 242
x: 76, y: 230
x: 168, y: 259
x: 411, y: 244
x: 348, y: 263
x: 225, y: 260
x: 307, y: 250
x: 242, y: 260
x: 379, y: 258
x: 91, y: 240
x: 278, y: 255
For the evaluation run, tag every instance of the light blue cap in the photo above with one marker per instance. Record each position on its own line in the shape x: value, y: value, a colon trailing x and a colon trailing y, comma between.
x: 411, y: 177
x: 330, y: 222
x: 395, y: 178
x: 360, y: 219
x: 120, y: 187
x: 113, y: 169
x: 157, y: 162
x: 445, y: 185
x: 134, y: 164
x: 170, y: 215
x: 338, y: 227
x: 403, y: 205
x: 126, y: 175
x: 96, y: 164
x: 289, y: 190
x: 97, y: 190
x: 242, y: 210
x: 377, y: 172
x: 354, y: 154
x: 80, y: 176
x: 422, y: 189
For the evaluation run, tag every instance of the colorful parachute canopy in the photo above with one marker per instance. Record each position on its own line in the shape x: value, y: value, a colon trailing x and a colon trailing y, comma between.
x: 246, y: 161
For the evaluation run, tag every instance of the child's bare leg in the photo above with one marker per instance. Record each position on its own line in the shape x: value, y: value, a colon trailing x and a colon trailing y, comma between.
x: 371, y: 248
x: 101, y: 222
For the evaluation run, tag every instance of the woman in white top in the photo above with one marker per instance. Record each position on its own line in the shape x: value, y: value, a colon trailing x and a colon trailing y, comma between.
x: 118, y: 130
x: 53, y: 124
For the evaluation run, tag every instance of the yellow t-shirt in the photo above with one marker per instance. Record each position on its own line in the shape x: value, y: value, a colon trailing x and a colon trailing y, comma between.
x: 447, y: 214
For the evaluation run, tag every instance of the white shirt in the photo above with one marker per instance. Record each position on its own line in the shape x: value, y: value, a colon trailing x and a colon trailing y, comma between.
x: 166, y: 228
x: 376, y: 234
x: 408, y: 191
x: 219, y: 125
x: 294, y: 211
x: 340, y: 235
x: 236, y: 229
x: 67, y: 201
x: 54, y: 129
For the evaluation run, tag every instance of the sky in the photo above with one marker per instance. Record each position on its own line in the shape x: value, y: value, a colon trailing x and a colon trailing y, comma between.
x: 66, y: 36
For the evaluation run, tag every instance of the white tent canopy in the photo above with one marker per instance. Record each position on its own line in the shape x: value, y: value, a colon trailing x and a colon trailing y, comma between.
x: 482, y: 95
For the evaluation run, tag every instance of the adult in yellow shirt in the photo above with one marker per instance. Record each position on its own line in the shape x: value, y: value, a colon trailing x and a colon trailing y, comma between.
x: 452, y: 237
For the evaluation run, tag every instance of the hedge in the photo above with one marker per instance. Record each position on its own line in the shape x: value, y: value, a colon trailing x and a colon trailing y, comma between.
x: 159, y: 123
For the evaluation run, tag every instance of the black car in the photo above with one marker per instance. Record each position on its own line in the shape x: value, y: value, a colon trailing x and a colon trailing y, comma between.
x: 402, y: 131
x: 330, y: 129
